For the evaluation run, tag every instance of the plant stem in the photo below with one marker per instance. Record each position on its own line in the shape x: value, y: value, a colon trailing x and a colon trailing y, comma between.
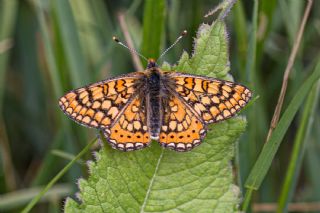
x: 246, y: 201
x: 36, y: 199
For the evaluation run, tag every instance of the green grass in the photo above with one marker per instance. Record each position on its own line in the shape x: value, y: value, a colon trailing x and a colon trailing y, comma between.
x: 270, y: 148
x: 301, y: 138
x: 50, y: 47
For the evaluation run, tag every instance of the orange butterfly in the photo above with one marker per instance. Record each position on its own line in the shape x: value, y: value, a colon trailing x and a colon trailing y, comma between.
x: 170, y: 107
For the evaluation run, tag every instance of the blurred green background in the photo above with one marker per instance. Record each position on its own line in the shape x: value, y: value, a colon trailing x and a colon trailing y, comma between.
x: 50, y: 47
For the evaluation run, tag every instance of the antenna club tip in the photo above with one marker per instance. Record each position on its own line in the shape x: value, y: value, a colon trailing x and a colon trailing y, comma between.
x: 115, y: 39
x: 184, y: 33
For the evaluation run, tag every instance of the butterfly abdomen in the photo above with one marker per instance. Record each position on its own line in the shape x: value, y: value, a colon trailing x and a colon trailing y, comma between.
x: 154, y: 103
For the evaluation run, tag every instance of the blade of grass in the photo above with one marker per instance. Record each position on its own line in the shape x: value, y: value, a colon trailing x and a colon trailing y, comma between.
x: 312, y: 159
x: 70, y: 39
x: 278, y: 107
x: 153, y: 27
x: 250, y: 66
x: 240, y: 26
x: 94, y: 19
x: 68, y: 34
x: 53, y: 71
x: 117, y: 60
x: 298, y: 149
x: 124, y: 27
x: 49, y: 53
x: 246, y: 151
x: 92, y: 30
x: 287, y: 72
x: 269, y: 150
x: 293, y: 207
x: 99, y: 30
x: 36, y: 199
x: 291, y: 14
x: 6, y: 158
x: 49, y: 161
x: 65, y: 155
x: 18, y: 198
x: 267, y: 10
x: 134, y: 6
x: 8, y: 13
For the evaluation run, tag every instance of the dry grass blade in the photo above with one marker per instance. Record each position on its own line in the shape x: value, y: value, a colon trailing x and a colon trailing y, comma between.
x: 7, y: 163
x: 5, y: 45
x: 8, y: 10
x: 292, y: 57
x: 293, y: 207
x: 124, y: 27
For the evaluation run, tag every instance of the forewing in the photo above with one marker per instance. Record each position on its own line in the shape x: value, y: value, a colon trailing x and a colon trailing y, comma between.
x: 212, y: 99
x: 99, y: 104
x: 181, y: 129
x: 130, y: 131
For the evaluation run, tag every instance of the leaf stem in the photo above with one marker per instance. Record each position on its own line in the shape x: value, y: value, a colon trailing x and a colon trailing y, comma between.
x: 246, y: 201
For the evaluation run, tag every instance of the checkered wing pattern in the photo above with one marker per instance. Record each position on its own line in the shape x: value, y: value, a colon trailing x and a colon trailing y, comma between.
x: 181, y: 128
x: 130, y: 132
x: 212, y: 99
x: 110, y: 106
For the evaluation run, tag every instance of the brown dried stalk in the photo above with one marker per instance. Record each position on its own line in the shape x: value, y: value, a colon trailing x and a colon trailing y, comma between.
x: 288, y: 69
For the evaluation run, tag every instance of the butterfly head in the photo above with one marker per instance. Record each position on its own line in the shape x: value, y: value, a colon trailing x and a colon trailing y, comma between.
x: 151, y: 63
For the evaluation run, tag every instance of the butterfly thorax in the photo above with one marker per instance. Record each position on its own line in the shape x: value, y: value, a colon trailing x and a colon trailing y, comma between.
x: 153, y: 99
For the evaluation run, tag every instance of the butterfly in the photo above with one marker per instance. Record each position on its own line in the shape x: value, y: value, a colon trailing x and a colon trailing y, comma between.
x: 172, y: 108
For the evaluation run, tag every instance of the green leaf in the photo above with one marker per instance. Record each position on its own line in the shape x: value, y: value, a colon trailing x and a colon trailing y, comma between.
x: 210, y: 52
x: 158, y: 180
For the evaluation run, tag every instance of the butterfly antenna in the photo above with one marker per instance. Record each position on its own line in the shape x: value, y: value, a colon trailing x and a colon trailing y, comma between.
x: 130, y: 49
x: 174, y: 43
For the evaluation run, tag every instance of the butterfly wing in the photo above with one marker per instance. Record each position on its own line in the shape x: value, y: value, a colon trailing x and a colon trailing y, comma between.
x: 98, y: 104
x: 110, y: 106
x: 130, y: 131
x: 196, y: 101
x: 181, y: 129
x: 212, y: 99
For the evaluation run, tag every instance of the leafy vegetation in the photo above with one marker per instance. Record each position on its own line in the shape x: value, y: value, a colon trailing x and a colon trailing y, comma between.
x: 161, y: 180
